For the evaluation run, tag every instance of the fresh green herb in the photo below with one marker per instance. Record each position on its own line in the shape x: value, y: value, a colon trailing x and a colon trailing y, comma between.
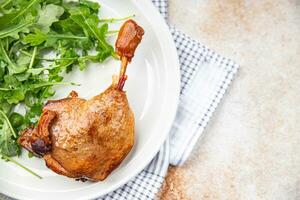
x: 10, y: 159
x: 29, y: 30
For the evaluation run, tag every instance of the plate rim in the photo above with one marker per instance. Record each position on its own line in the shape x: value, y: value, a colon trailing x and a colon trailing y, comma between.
x: 162, y: 26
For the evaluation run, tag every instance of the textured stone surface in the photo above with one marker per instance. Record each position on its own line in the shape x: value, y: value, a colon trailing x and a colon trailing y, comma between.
x: 251, y: 148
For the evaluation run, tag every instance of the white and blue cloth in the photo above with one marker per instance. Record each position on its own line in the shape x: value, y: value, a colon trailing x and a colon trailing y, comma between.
x: 205, y: 76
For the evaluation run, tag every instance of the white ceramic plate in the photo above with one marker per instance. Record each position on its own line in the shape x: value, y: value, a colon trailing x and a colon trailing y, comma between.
x: 153, y: 91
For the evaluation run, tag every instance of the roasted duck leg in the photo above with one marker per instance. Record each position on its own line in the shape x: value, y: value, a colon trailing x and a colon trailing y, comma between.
x: 88, y: 139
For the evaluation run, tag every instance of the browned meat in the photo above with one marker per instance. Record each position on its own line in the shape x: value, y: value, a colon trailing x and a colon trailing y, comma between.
x: 130, y: 36
x: 89, y: 138
x: 82, y: 138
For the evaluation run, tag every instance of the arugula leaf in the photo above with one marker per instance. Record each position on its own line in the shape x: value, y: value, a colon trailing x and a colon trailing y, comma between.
x: 89, y: 23
x: 15, y: 96
x: 11, y: 82
x: 23, y: 61
x: 2, y: 70
x: 48, y: 15
x: 12, y: 67
x: 39, y: 37
x: 36, y: 38
x: 16, y: 119
x: 92, y: 5
x: 14, y: 30
x: 4, y: 3
x: 8, y: 146
x: 33, y: 114
x: 6, y: 107
x: 13, y: 17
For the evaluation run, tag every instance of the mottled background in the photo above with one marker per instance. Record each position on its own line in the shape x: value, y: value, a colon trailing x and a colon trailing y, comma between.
x: 251, y: 148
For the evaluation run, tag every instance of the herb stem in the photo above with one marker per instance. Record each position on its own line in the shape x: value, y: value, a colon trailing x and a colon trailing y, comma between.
x: 41, y: 69
x: 54, y: 59
x: 20, y: 165
x: 33, y: 57
x: 8, y: 122
x: 5, y: 89
x: 67, y: 36
x: 6, y: 3
x: 30, y: 4
x: 113, y: 32
x: 6, y: 32
x: 26, y: 53
x: 92, y: 30
x: 52, y: 84
x: 34, y: 87
x: 5, y: 55
x: 6, y: 44
x: 12, y: 47
x: 46, y: 59
x: 110, y: 20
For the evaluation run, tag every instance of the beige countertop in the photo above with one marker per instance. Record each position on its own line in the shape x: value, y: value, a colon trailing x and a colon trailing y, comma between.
x: 251, y: 148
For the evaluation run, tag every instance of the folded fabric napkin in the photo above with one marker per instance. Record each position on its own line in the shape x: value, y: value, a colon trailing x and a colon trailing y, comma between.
x: 205, y: 76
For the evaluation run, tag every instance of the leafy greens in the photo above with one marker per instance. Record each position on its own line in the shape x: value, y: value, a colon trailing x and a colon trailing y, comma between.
x: 29, y: 30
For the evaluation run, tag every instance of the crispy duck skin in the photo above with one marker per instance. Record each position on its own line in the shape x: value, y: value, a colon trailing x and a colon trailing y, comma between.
x: 88, y: 139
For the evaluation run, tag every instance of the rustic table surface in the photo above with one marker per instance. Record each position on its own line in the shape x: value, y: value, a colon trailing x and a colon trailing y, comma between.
x: 251, y: 148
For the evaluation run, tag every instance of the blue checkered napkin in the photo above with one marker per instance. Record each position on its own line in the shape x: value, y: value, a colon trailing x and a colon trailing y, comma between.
x: 205, y: 76
x: 162, y: 6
